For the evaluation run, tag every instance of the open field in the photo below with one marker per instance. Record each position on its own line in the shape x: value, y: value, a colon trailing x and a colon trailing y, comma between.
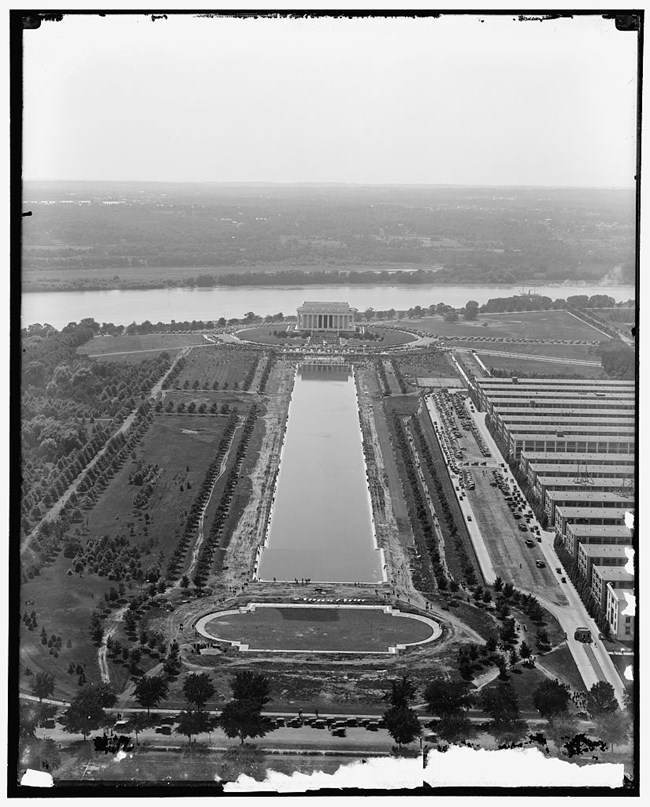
x: 63, y: 605
x: 335, y: 629
x: 559, y: 662
x: 546, y: 369
x: 527, y: 325
x: 217, y: 367
x: 134, y: 342
x: 582, y: 352
x: 524, y: 681
x: 182, y: 447
x: 425, y: 363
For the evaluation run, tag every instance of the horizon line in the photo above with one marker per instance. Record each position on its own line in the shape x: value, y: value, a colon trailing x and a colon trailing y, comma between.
x: 316, y: 183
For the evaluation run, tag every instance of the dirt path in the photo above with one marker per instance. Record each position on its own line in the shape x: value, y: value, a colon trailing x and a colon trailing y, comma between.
x: 114, y: 620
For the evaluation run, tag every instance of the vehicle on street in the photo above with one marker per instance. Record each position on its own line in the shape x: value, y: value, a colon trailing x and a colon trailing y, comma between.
x: 529, y: 543
x: 469, y: 518
x: 564, y: 579
x: 540, y: 564
x: 583, y: 635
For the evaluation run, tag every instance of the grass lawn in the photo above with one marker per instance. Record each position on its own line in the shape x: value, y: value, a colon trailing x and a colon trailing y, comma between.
x: 174, y: 443
x: 524, y: 681
x: 148, y: 341
x: 528, y: 325
x: 389, y: 337
x: 582, y: 352
x: 264, y: 335
x: 225, y: 366
x: 541, y: 369
x: 425, y: 363
x: 63, y: 605
x: 325, y: 629
x: 560, y: 663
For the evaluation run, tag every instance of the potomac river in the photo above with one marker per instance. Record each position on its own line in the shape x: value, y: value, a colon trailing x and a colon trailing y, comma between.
x: 165, y: 305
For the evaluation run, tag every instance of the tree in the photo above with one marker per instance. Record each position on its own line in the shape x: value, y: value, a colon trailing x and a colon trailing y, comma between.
x: 455, y: 726
x: 241, y: 718
x: 402, y: 724
x: 601, y: 699
x: 85, y: 713
x: 500, y: 703
x: 138, y: 722
x: 444, y: 697
x: 562, y: 727
x: 551, y: 698
x: 612, y: 727
x: 191, y: 723
x: 524, y: 651
x: 403, y: 691
x: 150, y: 690
x: 471, y: 310
x: 43, y: 685
x: 451, y: 316
x: 251, y: 687
x: 198, y: 689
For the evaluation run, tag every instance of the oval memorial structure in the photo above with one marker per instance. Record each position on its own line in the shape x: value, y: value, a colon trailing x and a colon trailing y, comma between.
x: 284, y: 628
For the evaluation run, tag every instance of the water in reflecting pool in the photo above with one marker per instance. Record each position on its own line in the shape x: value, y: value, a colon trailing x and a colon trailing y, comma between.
x: 321, y: 523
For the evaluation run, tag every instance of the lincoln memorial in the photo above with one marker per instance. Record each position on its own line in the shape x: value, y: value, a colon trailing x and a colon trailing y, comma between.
x: 325, y: 317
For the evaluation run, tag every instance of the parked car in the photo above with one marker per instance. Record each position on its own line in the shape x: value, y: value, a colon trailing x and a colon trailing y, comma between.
x: 540, y: 564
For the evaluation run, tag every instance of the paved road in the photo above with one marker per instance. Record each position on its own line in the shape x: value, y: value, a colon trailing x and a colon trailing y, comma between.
x: 482, y: 554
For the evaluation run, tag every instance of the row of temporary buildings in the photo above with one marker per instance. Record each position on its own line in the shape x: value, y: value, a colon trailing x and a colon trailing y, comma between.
x: 574, y: 441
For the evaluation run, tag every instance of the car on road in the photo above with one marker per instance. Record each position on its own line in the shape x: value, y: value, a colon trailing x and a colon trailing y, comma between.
x: 523, y: 528
x: 529, y: 543
x: 564, y: 579
x: 469, y: 518
x: 539, y: 539
x: 338, y: 732
x: 540, y: 564
x: 558, y: 570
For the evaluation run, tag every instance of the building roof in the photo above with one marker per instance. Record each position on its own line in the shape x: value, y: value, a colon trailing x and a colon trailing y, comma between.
x: 550, y: 382
x: 611, y: 513
x: 325, y: 308
x: 588, y: 496
x: 585, y: 436
x: 604, y: 550
x: 546, y: 418
x: 579, y: 411
x: 549, y: 471
x: 613, y: 574
x: 600, y: 530
x: 563, y: 482
x: 574, y: 457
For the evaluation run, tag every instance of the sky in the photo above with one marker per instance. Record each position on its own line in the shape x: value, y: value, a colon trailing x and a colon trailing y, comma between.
x: 461, y: 100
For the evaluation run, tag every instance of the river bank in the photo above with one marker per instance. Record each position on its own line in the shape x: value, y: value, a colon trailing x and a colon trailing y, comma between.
x: 186, y: 304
